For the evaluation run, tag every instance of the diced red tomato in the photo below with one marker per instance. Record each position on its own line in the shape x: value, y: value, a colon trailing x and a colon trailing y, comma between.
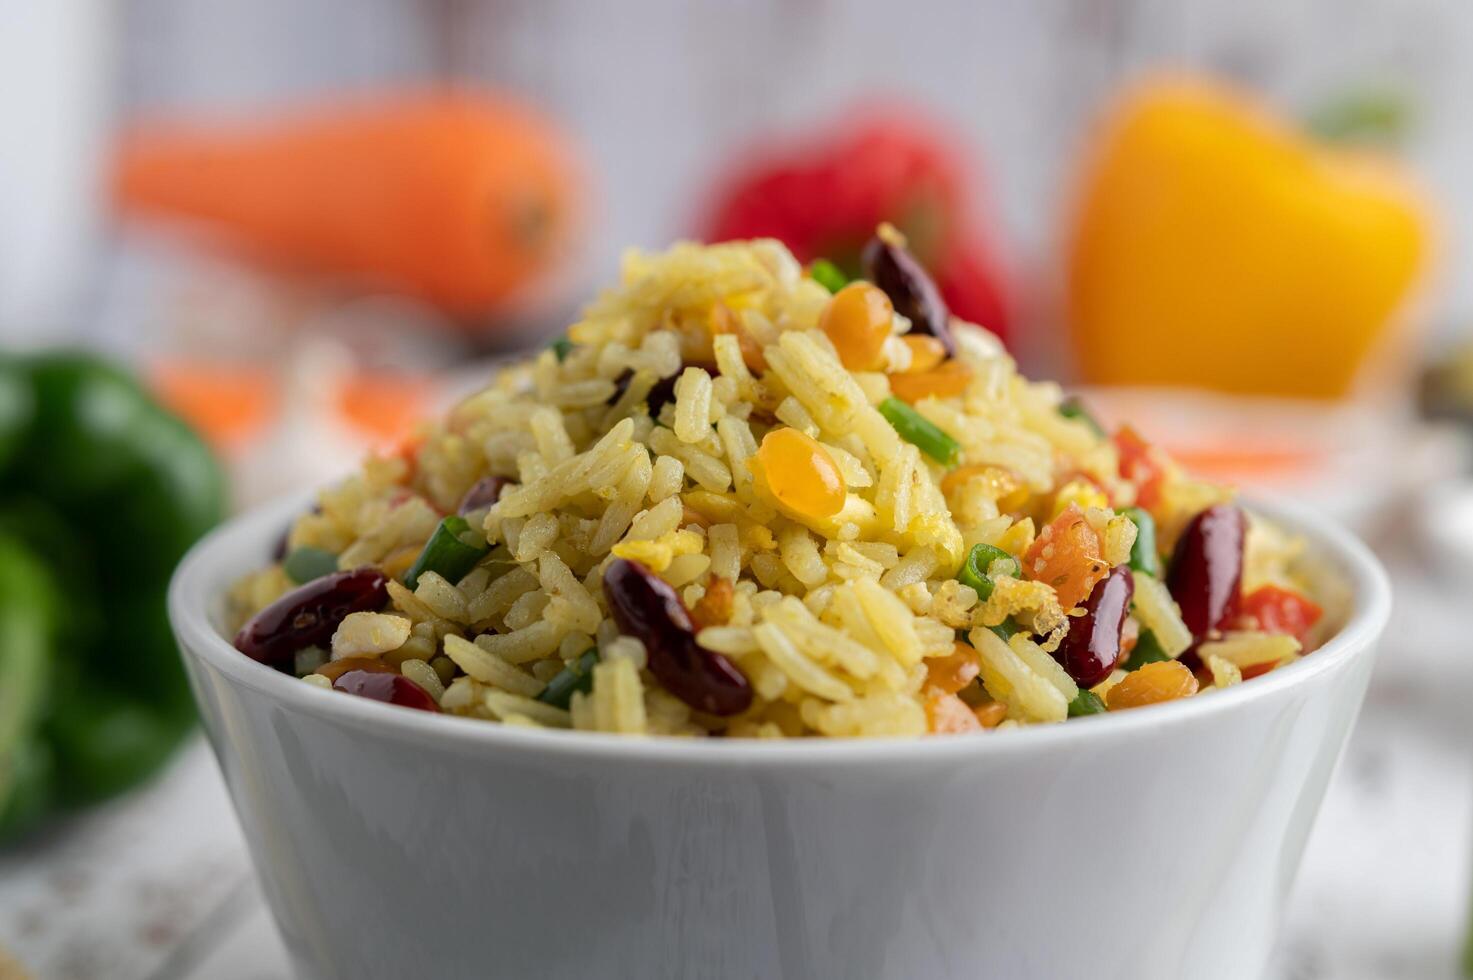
x: 1066, y: 555
x: 1279, y: 610
x: 948, y: 714
x: 1142, y: 464
x: 1258, y: 670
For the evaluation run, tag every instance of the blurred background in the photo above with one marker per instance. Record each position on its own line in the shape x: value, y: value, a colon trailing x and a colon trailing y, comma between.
x: 301, y: 224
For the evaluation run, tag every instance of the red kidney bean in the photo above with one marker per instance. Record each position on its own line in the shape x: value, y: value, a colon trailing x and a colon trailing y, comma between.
x: 386, y: 687
x: 661, y: 394
x: 483, y: 493
x: 1092, y: 646
x: 647, y: 608
x: 621, y: 385
x: 912, y: 292
x: 309, y: 616
x: 1206, y: 571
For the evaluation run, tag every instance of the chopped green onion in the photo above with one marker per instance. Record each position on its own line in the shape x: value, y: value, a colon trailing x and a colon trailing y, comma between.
x: 980, y: 559
x: 1143, y: 557
x: 1086, y: 702
x: 562, y: 347
x: 917, y: 429
x: 827, y: 275
x: 574, y: 677
x: 308, y: 564
x: 1006, y: 629
x: 1147, y: 651
x: 451, y: 552
x: 1073, y: 408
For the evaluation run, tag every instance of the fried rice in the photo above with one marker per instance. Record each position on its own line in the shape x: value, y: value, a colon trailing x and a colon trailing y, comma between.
x: 717, y: 507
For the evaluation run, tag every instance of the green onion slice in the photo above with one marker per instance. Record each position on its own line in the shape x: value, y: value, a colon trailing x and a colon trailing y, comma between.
x: 1143, y: 555
x: 574, y: 677
x: 1086, y: 702
x: 562, y: 347
x: 308, y: 564
x: 1147, y: 651
x: 915, y: 428
x: 1073, y: 408
x: 451, y: 552
x: 1006, y: 630
x: 980, y: 559
x: 827, y: 275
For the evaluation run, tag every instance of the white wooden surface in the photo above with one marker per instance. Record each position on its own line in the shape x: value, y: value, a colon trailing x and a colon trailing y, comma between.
x: 157, y: 887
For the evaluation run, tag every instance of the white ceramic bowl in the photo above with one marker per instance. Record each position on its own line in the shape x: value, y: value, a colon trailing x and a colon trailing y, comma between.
x: 1157, y: 843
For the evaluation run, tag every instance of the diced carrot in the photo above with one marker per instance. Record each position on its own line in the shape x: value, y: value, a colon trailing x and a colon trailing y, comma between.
x: 1258, y: 670
x: 947, y: 714
x: 991, y: 714
x: 1164, y: 680
x: 714, y: 608
x: 926, y: 352
x: 954, y: 671
x: 1066, y: 556
x: 947, y: 380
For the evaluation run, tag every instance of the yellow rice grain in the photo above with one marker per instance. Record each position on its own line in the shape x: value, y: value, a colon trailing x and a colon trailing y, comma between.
x: 523, y: 645
x: 489, y: 668
x: 502, y: 705
x: 626, y: 648
x: 1225, y: 673
x: 1251, y: 648
x: 726, y: 551
x: 618, y: 698
x: 659, y: 520
x: 1008, y: 678
x: 499, y: 595
x: 666, y: 478
x: 692, y: 405
x: 1044, y: 665
x: 798, y: 666
x: 527, y: 610
x: 1158, y: 612
x: 424, y: 675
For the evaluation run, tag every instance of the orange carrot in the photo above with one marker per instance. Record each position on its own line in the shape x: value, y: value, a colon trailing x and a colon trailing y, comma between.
x: 947, y: 714
x: 460, y: 200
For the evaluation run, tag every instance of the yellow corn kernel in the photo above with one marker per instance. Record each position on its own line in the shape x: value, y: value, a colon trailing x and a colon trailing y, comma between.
x: 1081, y: 492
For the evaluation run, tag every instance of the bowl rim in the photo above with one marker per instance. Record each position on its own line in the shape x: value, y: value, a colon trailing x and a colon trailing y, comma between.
x: 207, y: 563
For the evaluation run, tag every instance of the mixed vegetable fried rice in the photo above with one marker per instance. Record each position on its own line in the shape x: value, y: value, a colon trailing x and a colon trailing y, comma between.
x: 746, y: 498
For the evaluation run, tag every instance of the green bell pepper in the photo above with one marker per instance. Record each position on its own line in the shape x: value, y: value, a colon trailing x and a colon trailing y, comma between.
x: 101, y: 493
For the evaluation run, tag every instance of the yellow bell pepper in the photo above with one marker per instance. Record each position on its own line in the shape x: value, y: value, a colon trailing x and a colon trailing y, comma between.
x: 1215, y: 246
